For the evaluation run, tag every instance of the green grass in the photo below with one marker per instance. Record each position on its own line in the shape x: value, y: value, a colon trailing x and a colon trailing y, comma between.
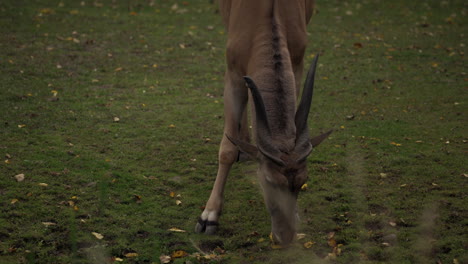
x: 389, y: 183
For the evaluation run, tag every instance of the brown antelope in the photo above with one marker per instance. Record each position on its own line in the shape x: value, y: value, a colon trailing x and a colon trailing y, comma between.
x: 266, y: 41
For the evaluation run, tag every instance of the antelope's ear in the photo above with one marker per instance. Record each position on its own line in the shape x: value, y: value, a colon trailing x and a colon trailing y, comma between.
x: 245, y: 147
x: 318, y: 139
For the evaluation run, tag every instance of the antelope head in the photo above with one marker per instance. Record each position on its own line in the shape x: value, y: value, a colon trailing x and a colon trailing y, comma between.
x: 282, y: 173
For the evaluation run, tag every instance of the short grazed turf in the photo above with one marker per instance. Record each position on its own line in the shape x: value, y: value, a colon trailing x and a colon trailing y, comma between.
x: 112, y: 110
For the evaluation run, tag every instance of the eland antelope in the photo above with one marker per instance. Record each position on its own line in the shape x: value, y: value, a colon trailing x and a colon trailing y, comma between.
x: 265, y: 49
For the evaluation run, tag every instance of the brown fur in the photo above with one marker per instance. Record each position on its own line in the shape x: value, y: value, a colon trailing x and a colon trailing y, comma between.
x: 266, y: 41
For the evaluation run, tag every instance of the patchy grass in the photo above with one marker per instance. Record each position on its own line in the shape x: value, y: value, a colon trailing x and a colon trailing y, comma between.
x: 112, y: 110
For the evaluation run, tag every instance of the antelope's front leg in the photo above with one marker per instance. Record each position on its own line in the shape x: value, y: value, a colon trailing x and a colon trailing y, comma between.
x: 235, y: 99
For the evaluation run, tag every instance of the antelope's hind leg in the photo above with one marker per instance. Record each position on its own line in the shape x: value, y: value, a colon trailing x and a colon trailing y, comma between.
x: 235, y: 100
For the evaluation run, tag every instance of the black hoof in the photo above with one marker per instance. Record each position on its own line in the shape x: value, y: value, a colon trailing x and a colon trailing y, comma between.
x: 207, y: 227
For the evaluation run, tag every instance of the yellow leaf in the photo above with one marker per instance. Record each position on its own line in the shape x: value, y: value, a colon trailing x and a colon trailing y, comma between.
x: 118, y: 69
x: 13, y: 201
x: 21, y: 126
x: 131, y: 255
x: 179, y: 254
x: 276, y: 246
x: 43, y: 184
x: 171, y: 125
x: 178, y: 202
x: 97, y: 235
x: 175, y: 229
x: 304, y: 187
x: 172, y: 194
x: 155, y: 65
x: 309, y: 244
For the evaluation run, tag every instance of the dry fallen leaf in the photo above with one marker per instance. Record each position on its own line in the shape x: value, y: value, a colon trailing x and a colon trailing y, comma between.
x: 137, y: 197
x: 331, y: 239
x: 13, y: 201
x: 179, y: 254
x: 300, y: 236
x: 131, y: 255
x: 276, y: 246
x: 19, y: 177
x: 178, y: 202
x: 49, y: 223
x: 97, y: 235
x: 309, y: 244
x: 164, y: 259
x: 43, y: 184
x: 175, y: 229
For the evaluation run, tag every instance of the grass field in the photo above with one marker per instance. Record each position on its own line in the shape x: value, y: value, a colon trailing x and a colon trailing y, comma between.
x: 111, y: 111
